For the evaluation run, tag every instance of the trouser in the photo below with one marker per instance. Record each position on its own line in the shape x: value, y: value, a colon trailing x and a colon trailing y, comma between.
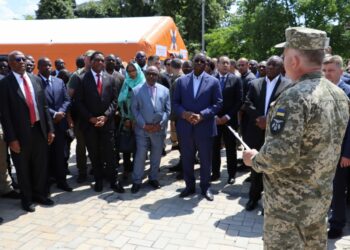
x: 280, y: 234
x: 231, y: 151
x: 256, y: 185
x: 31, y: 165
x: 5, y: 180
x: 100, y: 144
x: 57, y: 165
x: 338, y: 207
x: 80, y: 150
x: 154, y: 141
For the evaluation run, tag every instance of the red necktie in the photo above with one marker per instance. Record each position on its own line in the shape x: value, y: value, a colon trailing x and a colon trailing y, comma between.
x: 29, y: 100
x: 99, y: 84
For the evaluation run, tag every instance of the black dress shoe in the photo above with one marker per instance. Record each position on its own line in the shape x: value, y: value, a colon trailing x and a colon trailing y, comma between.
x: 208, y: 195
x: 176, y: 168
x: 1, y: 220
x: 163, y: 152
x: 135, y: 188
x: 175, y: 147
x: 231, y: 180
x: 154, y: 183
x: 44, y: 201
x: 27, y: 206
x: 118, y: 188
x: 251, y: 205
x: 98, y: 187
x: 64, y: 186
x: 187, y: 192
x: 248, y: 179
x: 214, y: 177
x: 81, y: 178
x: 335, y: 233
x: 11, y: 195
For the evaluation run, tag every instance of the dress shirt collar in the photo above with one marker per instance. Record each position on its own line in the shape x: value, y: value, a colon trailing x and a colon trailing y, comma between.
x: 273, y: 81
x: 223, y: 75
x: 95, y: 73
x: 198, y: 78
x: 19, y: 77
x: 45, y: 79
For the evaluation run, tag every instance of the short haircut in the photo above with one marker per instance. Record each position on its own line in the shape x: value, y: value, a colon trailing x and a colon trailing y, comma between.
x: 176, y: 63
x: 337, y: 60
x: 233, y: 62
x: 95, y: 54
x: 210, y: 64
x: 314, y: 57
x: 218, y: 60
x: 166, y: 60
x: 153, y: 59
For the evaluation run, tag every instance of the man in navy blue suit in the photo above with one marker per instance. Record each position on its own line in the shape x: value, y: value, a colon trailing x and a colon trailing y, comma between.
x: 197, y: 99
x: 58, y: 103
x: 332, y: 68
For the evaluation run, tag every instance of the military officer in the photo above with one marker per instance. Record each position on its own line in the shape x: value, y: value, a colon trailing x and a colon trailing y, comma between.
x: 303, y: 139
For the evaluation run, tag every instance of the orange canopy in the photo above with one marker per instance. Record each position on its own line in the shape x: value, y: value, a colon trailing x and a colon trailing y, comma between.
x: 69, y: 38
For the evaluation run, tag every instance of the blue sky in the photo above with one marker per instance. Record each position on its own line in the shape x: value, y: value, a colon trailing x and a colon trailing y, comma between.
x: 16, y: 9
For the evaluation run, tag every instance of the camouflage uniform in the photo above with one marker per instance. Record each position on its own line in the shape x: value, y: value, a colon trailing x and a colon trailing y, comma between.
x: 303, y: 139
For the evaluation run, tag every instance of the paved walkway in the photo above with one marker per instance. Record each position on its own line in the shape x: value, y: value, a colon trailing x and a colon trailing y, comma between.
x: 149, y: 219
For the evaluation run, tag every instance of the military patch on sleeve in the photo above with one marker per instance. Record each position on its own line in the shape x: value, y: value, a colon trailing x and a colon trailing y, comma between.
x: 278, y: 121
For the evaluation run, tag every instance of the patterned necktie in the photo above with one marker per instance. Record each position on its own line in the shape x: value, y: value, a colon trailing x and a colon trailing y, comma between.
x: 99, y: 84
x: 29, y: 101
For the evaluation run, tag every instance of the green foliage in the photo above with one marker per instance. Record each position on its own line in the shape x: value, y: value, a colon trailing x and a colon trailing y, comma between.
x: 55, y: 9
x: 259, y: 24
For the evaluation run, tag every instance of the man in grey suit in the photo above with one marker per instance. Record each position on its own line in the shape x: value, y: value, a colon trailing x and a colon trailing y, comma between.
x: 150, y: 106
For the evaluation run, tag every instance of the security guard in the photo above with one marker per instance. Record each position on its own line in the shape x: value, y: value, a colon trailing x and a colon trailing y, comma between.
x: 303, y: 139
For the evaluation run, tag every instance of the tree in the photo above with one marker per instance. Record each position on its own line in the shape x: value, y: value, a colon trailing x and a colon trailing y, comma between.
x: 55, y: 9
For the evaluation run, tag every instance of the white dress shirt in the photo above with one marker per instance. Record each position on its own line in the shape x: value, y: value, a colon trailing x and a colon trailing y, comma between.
x: 196, y: 82
x: 270, y: 85
x: 21, y: 85
x: 95, y: 76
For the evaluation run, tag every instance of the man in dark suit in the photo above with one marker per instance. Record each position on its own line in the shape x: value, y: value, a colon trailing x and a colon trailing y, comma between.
x: 332, y: 69
x: 197, y: 99
x: 96, y: 99
x: 59, y: 65
x: 28, y: 129
x: 58, y: 103
x: 261, y: 93
x: 231, y: 87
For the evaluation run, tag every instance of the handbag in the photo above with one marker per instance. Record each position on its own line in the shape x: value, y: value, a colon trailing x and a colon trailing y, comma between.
x: 127, y: 141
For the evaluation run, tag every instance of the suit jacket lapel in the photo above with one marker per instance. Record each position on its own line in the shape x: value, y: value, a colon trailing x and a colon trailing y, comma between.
x: 201, y: 86
x: 36, y: 89
x: 262, y: 96
x: 190, y: 86
x: 146, y: 95
x: 19, y: 90
x: 274, y: 92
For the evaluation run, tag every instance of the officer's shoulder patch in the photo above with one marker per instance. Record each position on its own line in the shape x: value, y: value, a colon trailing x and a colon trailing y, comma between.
x: 278, y: 121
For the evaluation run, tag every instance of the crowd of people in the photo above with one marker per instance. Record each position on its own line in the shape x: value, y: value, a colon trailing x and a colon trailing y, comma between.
x: 113, y: 108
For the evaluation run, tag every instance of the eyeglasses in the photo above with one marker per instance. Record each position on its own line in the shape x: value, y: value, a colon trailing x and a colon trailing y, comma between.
x: 20, y: 59
x: 200, y: 61
x: 152, y: 74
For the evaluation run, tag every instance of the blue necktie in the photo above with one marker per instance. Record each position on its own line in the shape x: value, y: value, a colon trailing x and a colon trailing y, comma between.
x: 222, y: 82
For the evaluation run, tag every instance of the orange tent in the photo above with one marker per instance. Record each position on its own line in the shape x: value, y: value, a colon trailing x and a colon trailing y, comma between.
x: 69, y: 38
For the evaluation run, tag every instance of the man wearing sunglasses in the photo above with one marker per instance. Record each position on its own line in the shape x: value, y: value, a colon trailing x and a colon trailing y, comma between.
x: 197, y: 99
x: 28, y: 129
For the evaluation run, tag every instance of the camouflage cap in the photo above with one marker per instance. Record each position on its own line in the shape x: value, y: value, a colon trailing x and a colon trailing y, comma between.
x: 304, y: 39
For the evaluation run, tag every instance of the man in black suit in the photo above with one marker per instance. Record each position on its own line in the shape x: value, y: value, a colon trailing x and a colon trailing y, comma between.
x: 58, y: 103
x: 28, y: 129
x: 261, y: 93
x: 231, y: 87
x: 96, y: 99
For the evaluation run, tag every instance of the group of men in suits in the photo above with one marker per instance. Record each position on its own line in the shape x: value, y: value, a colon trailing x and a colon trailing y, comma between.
x: 205, y: 106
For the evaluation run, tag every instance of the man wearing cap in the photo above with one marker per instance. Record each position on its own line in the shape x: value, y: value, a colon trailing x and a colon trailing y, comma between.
x: 303, y: 139
x: 80, y: 150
